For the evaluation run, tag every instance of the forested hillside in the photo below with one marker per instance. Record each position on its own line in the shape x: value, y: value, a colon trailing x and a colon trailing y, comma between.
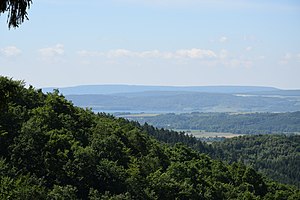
x: 53, y: 150
x: 250, y: 123
x: 276, y: 156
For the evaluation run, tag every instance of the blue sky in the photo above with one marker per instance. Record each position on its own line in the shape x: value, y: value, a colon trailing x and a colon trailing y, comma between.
x: 155, y: 42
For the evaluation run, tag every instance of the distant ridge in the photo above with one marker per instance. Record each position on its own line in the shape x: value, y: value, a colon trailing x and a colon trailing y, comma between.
x: 164, y: 99
x: 278, y: 92
x: 114, y: 89
x: 185, y: 101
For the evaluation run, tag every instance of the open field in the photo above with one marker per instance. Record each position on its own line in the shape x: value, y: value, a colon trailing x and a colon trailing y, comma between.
x: 205, y: 134
x: 136, y: 115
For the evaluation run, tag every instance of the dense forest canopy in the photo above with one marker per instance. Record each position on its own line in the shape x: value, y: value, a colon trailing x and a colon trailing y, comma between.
x: 53, y: 150
x: 276, y: 156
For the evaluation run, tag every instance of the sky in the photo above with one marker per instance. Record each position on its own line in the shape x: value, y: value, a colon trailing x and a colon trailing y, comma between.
x: 155, y: 42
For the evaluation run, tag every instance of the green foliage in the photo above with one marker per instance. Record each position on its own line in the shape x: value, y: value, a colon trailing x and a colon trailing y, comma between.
x: 277, y: 156
x: 17, y: 11
x: 67, y: 192
x: 19, y: 186
x: 53, y: 150
x: 173, y: 137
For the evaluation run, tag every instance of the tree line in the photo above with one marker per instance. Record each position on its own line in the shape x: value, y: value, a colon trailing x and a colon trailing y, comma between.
x: 247, y: 123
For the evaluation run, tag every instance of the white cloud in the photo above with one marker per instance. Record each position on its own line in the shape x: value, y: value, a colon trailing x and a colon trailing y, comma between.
x: 248, y: 48
x: 57, y: 50
x: 85, y: 53
x: 234, y: 63
x: 250, y: 38
x: 223, y: 54
x: 182, y: 56
x: 142, y: 54
x: 298, y: 56
x: 288, y: 57
x: 226, y: 59
x: 195, y: 53
x: 223, y: 39
x: 153, y: 54
x: 182, y: 53
x: 121, y: 53
x: 261, y: 57
x: 10, y: 51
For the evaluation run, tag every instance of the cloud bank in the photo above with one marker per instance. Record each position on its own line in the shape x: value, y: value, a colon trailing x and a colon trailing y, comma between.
x: 193, y: 53
x: 10, y: 51
x: 193, y: 56
x: 57, y: 50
